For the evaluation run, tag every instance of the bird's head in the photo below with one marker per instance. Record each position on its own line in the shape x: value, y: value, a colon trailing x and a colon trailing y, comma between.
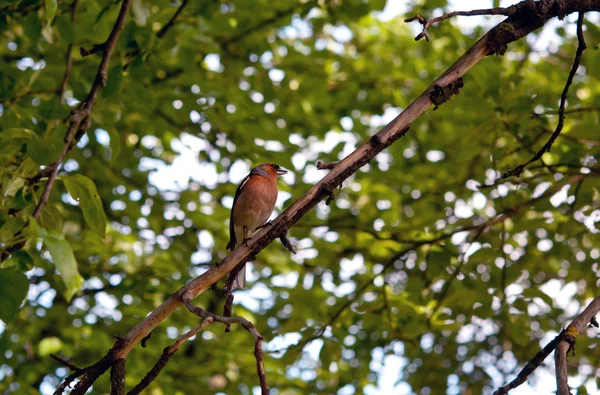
x: 269, y: 170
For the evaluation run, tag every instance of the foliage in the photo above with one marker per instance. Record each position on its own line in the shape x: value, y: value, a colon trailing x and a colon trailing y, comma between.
x: 141, y: 204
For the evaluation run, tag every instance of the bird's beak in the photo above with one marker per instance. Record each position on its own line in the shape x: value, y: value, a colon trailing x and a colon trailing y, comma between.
x: 281, y: 171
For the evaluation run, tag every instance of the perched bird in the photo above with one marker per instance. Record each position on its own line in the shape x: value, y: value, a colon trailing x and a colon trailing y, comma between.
x: 252, y: 206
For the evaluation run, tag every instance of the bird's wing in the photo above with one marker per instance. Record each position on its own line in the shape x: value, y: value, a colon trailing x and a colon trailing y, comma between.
x: 232, y: 238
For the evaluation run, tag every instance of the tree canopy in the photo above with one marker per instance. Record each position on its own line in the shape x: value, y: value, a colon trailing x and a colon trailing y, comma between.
x: 427, y: 261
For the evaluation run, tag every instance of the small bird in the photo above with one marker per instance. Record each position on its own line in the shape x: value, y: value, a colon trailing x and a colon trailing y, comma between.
x: 252, y: 206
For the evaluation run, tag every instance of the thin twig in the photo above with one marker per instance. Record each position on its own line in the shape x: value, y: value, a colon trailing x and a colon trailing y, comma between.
x: 63, y: 85
x: 563, y: 100
x: 171, y: 21
x: 258, y: 339
x: 65, y: 362
x: 166, y: 355
x: 508, y: 11
x: 326, y: 166
x: 10, y: 101
x: 266, y: 22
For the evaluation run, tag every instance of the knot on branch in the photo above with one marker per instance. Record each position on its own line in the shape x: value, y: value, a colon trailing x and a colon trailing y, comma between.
x: 326, y: 166
x: 499, y: 38
x: 96, y: 48
x: 441, y: 94
x: 570, y: 335
x: 426, y: 23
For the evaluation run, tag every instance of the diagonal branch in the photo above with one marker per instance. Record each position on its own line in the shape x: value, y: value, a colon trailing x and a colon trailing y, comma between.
x: 576, y: 327
x: 563, y: 99
x: 266, y: 22
x: 171, y: 21
x: 166, y: 355
x: 79, y: 121
x: 562, y: 344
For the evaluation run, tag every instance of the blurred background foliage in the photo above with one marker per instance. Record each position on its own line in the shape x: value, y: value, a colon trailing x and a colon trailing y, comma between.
x: 386, y: 291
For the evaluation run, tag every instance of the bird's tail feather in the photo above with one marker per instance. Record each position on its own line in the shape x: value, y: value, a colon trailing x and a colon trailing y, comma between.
x: 240, y: 279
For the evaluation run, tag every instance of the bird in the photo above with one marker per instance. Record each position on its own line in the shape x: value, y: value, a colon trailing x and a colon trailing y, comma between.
x: 253, y: 204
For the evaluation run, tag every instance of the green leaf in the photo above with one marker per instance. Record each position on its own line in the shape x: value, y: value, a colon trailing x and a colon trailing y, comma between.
x: 84, y: 191
x: 46, y: 150
x: 64, y: 260
x: 51, y: 7
x: 19, y: 178
x: 16, y: 133
x: 115, y: 144
x: 49, y: 345
x: 23, y: 260
x: 65, y: 28
x: 14, y: 285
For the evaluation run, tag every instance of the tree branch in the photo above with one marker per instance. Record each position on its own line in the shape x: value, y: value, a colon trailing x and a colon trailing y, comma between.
x: 65, y: 80
x: 567, y: 343
x: 426, y: 23
x: 117, y: 377
x: 563, y: 343
x: 79, y: 121
x: 171, y: 21
x: 166, y: 355
x: 247, y: 325
x: 264, y: 23
x: 326, y: 166
x: 10, y: 101
x: 563, y: 99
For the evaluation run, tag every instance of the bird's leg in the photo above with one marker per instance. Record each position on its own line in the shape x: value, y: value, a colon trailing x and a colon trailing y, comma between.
x: 246, y: 238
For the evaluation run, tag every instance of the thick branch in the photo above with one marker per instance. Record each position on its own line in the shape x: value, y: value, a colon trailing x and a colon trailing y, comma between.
x: 563, y: 100
x: 117, y: 377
